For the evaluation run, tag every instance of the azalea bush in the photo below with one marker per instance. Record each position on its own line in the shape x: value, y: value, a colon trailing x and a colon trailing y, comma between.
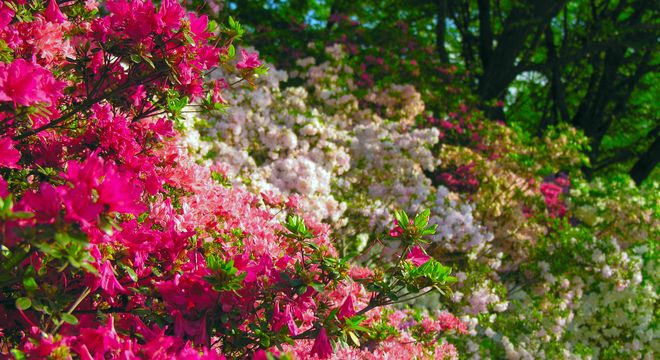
x: 535, y: 257
x: 116, y: 243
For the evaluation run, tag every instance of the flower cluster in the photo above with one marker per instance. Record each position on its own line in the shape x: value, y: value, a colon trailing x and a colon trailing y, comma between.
x: 533, y: 248
x: 116, y: 243
x: 320, y: 143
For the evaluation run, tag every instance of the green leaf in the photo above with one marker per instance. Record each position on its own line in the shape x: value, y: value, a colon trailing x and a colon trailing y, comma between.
x: 318, y: 287
x: 30, y: 284
x: 354, y: 338
x: 7, y: 204
x: 18, y: 355
x: 23, y: 303
x: 402, y: 218
x: 188, y: 38
x: 231, y: 51
x: 90, y: 268
x: 69, y: 319
x: 211, y: 26
x: 131, y: 273
x: 22, y: 215
x: 148, y: 60
x: 422, y: 219
x: 66, y: 237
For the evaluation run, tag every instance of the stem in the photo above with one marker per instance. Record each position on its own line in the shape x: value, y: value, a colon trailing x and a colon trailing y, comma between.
x: 82, y: 297
x: 412, y: 297
x: 86, y: 105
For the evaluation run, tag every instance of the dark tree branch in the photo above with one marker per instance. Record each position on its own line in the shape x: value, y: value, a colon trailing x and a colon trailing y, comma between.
x: 556, y: 86
x: 485, y: 32
x: 646, y: 162
x: 440, y: 30
x: 521, y: 22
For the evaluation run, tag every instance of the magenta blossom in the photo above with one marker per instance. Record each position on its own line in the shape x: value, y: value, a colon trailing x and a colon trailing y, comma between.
x: 284, y: 318
x: 108, y: 281
x: 98, y: 341
x: 417, y: 256
x: 24, y: 83
x: 397, y: 230
x: 139, y: 95
x: 248, y: 61
x: 347, y: 309
x: 322, y: 346
x: 53, y: 13
x: 45, y: 204
x: 6, y: 15
x: 9, y: 156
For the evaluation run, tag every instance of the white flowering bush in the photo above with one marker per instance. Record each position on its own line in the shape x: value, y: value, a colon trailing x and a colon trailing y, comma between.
x: 319, y: 142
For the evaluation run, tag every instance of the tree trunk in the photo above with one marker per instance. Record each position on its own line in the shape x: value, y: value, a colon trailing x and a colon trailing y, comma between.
x: 646, y: 162
x: 440, y: 31
x: 502, y: 68
x: 556, y: 86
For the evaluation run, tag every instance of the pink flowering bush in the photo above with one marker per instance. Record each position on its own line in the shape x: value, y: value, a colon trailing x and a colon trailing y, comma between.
x: 115, y: 243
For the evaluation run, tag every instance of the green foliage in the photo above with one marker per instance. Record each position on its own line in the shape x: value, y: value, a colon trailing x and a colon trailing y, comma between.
x: 225, y: 275
x: 415, y: 231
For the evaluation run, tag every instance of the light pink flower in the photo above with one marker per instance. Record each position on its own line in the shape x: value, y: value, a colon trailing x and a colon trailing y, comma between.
x: 248, y: 61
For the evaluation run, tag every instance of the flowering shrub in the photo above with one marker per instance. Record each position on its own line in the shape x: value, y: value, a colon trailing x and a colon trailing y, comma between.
x: 115, y: 243
x: 320, y: 143
x: 511, y: 211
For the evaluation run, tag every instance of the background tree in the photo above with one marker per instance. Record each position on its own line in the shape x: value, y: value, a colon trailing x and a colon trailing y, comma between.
x: 591, y: 64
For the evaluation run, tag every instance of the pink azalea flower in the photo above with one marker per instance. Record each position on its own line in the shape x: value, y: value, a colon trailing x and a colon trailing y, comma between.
x: 248, y: 61
x: 24, y: 83
x: 3, y: 188
x: 6, y: 15
x: 417, y: 256
x: 9, y: 156
x: 53, y: 12
x: 293, y: 202
x: 170, y: 14
x: 260, y: 355
x: 43, y: 348
x: 108, y: 281
x: 18, y: 83
x: 162, y: 128
x: 120, y: 194
x: 91, y: 5
x: 322, y: 346
x: 347, y: 309
x: 216, y: 94
x: 397, y: 230
x: 198, y: 26
x: 284, y: 318
x: 448, y: 321
x: 98, y: 341
x: 139, y: 95
x: 46, y: 204
x: 271, y: 199
x: 550, y: 190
